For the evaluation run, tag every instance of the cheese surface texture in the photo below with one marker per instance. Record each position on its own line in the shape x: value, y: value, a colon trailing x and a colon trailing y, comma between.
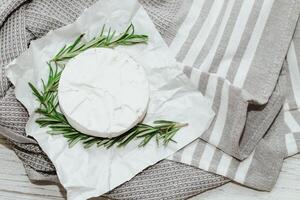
x: 103, y: 92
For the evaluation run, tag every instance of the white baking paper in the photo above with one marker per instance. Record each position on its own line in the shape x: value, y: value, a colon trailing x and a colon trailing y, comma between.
x: 92, y: 172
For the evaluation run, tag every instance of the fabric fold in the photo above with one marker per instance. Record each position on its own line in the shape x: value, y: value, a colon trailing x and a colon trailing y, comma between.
x: 236, y: 38
x: 261, y: 169
x: 292, y: 103
x: 7, y: 7
x: 12, y: 47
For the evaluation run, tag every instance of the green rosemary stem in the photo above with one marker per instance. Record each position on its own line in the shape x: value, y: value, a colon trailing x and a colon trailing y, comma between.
x: 51, y: 117
x: 109, y: 40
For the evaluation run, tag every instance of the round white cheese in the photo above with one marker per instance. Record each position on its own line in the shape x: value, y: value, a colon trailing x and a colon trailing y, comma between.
x: 103, y: 92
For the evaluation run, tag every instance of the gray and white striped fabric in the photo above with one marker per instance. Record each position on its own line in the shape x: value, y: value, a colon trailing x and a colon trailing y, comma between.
x: 236, y: 34
x: 230, y: 46
x: 292, y: 104
x: 260, y: 169
x: 238, y: 48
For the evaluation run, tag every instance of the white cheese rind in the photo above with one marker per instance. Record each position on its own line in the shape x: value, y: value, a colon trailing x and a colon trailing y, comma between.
x: 103, y: 92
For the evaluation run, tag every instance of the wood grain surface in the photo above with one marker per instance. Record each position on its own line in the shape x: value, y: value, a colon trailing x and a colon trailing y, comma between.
x: 15, y: 185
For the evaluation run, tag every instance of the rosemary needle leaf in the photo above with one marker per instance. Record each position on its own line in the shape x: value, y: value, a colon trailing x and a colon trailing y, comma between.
x: 74, y: 141
x: 148, y: 132
x: 76, y: 42
x: 62, y: 49
x: 146, y: 140
x: 55, y: 132
x: 128, y: 138
x: 71, y: 133
x: 102, y: 30
x: 90, y: 143
x: 170, y: 135
x: 36, y: 93
x: 162, y: 122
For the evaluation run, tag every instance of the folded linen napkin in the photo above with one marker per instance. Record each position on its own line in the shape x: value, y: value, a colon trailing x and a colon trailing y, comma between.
x: 158, y: 25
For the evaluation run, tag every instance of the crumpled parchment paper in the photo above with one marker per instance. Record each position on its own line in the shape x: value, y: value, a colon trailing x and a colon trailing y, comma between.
x: 92, y: 172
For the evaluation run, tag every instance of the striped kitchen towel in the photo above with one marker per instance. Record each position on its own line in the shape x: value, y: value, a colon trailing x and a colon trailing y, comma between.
x: 260, y: 170
x: 292, y: 104
x: 239, y: 40
x: 236, y: 49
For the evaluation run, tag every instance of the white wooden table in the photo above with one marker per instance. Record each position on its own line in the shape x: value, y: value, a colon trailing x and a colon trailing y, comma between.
x: 15, y: 185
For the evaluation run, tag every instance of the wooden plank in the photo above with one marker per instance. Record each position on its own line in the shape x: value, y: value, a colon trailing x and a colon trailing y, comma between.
x: 286, y: 188
x: 14, y: 183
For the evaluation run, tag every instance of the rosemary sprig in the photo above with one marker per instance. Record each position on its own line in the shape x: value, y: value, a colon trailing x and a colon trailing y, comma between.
x: 51, y: 117
x: 108, y: 40
x: 161, y: 130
